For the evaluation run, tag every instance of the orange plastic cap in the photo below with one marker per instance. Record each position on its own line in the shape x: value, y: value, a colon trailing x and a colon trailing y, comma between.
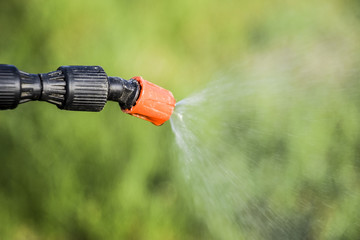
x: 155, y: 104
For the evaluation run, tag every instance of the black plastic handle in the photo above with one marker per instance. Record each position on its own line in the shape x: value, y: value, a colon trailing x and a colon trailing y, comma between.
x: 77, y: 88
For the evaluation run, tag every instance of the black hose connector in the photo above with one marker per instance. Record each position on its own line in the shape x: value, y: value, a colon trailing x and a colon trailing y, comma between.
x: 86, y: 88
x: 123, y: 91
x: 77, y: 88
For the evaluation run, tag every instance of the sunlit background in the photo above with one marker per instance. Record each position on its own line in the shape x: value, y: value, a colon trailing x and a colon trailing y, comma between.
x: 107, y: 175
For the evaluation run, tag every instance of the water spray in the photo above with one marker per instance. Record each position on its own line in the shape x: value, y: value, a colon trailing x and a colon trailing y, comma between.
x: 85, y: 88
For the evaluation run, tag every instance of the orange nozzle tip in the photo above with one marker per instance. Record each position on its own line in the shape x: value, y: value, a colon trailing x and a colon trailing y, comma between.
x: 155, y: 104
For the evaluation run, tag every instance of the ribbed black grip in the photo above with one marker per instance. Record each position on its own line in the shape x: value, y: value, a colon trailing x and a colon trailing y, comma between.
x: 86, y: 88
x: 10, y: 87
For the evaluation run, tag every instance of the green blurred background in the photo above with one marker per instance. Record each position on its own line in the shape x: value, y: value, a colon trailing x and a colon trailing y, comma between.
x: 74, y: 175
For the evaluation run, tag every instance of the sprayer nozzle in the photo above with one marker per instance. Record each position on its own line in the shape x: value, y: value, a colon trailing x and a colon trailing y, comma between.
x: 85, y: 88
x: 154, y: 104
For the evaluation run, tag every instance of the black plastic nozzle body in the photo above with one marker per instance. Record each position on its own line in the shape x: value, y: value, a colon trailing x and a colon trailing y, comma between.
x: 77, y: 88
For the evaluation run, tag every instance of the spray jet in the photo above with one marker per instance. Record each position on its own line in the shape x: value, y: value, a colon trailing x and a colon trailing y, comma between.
x: 85, y: 88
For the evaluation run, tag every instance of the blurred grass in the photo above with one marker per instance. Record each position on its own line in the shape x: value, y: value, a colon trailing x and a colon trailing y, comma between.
x: 70, y: 175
